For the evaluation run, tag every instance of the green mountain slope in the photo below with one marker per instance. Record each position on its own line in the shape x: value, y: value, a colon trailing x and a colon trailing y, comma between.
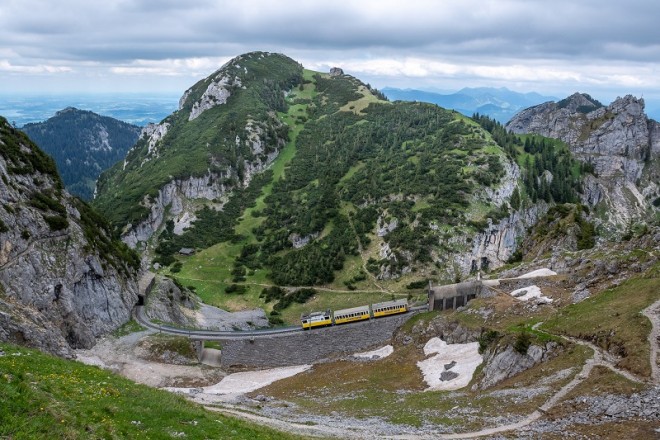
x: 83, y: 145
x: 224, y: 141
x: 364, y: 192
x: 414, y: 162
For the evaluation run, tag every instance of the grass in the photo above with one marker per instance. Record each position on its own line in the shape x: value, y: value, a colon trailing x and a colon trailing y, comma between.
x: 209, y: 271
x: 612, y: 320
x: 393, y: 389
x: 130, y: 327
x: 213, y: 344
x: 44, y: 397
x: 363, y: 102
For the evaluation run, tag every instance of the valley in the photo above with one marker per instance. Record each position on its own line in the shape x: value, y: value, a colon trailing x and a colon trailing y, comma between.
x: 274, y: 190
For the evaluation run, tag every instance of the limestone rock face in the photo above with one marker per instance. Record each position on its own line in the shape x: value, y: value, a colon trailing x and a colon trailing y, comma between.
x: 176, y: 200
x: 166, y: 302
x: 57, y: 291
x: 619, y: 141
x: 504, y: 362
x: 154, y: 133
x: 216, y: 93
x: 493, y: 246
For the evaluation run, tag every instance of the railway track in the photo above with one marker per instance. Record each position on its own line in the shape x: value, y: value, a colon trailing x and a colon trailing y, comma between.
x: 210, y: 335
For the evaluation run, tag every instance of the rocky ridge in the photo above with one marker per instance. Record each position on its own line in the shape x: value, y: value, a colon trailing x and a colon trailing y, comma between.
x: 63, y: 282
x: 619, y: 141
x: 225, y: 131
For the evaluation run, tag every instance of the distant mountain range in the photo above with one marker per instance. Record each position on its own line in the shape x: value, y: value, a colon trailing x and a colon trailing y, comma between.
x: 83, y: 145
x: 134, y: 108
x: 500, y: 104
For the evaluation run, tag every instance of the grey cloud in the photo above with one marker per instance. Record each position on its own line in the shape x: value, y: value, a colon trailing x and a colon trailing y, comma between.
x: 538, y: 29
x: 118, y: 32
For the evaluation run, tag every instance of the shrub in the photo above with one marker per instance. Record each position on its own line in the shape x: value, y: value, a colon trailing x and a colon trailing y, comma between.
x: 176, y: 267
x: 56, y: 222
x: 236, y: 288
x: 420, y: 284
x: 523, y: 341
x: 486, y: 338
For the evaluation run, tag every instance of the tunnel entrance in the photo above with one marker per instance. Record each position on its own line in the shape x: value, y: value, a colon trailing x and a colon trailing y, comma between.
x: 140, y: 301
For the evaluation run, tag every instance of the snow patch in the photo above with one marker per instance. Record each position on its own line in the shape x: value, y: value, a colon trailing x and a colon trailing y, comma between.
x: 539, y: 273
x: 455, y: 363
x: 241, y: 383
x: 380, y: 353
x: 527, y: 293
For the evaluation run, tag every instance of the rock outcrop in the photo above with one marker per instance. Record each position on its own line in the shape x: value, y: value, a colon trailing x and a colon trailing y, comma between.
x: 63, y: 281
x: 451, y: 332
x: 503, y: 362
x: 336, y: 71
x: 618, y: 141
x: 166, y: 302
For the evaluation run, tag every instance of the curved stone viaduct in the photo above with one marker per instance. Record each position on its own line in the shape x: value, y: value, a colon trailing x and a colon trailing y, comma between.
x: 293, y: 346
x: 290, y: 345
x: 305, y: 347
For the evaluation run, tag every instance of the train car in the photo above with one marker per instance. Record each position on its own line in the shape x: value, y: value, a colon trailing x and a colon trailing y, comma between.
x: 316, y: 319
x: 389, y: 308
x: 350, y: 315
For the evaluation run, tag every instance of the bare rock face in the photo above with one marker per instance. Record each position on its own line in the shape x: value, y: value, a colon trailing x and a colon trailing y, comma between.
x: 57, y: 289
x: 336, y: 71
x: 166, y: 302
x: 216, y: 93
x: 449, y: 331
x: 619, y: 141
x: 504, y: 362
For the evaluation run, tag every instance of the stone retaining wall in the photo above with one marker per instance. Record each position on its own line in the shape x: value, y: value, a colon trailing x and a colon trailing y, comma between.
x: 309, y: 346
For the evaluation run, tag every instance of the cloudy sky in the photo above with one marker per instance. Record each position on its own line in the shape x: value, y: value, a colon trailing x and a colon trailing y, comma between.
x: 606, y: 48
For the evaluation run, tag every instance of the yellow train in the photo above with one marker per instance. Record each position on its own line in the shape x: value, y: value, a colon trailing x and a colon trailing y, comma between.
x: 362, y: 313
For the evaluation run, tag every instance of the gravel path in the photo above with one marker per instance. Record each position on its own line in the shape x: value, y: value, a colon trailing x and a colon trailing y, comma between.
x: 282, y: 425
x: 599, y: 358
x: 124, y: 356
x: 653, y: 313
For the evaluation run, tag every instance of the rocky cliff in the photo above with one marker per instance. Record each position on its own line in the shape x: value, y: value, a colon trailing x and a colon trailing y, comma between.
x: 63, y: 280
x: 619, y: 142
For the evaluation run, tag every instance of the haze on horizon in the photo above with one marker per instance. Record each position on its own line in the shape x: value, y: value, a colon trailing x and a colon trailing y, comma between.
x: 605, y: 48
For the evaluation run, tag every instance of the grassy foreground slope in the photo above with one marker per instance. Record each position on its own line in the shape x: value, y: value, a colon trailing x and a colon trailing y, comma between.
x: 44, y: 397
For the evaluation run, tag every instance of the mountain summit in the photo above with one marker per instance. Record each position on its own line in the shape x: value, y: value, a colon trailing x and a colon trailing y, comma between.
x: 83, y: 145
x: 618, y: 141
x: 225, y: 130
x: 304, y: 171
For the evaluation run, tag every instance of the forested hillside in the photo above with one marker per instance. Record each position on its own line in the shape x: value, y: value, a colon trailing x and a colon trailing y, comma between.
x: 83, y: 145
x: 280, y: 177
x: 225, y: 128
